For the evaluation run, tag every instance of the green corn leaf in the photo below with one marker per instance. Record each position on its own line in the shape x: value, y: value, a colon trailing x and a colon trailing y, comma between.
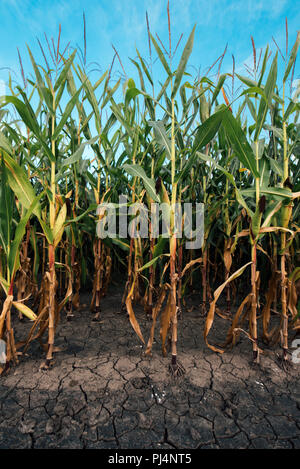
x: 131, y: 93
x: 13, y: 258
x: 28, y: 117
x: 161, y: 56
x: 183, y: 62
x: 43, y: 91
x: 144, y: 68
x: 292, y: 58
x: 206, y: 132
x: 5, y: 144
x: 276, y: 167
x: 218, y: 87
x: 110, y: 93
x: 271, y: 191
x: 66, y: 114
x: 161, y: 136
x: 78, y: 153
x: 72, y: 90
x: 256, y: 222
x: 163, y: 88
x: 25, y: 114
x: 159, y: 246
x: 47, y: 231
x: 117, y: 112
x: 63, y: 74
x: 263, y: 106
x: 140, y: 74
x: 153, y: 261
x: 263, y: 67
x: 20, y: 184
x: 239, y: 142
x: 92, y: 208
x: 230, y: 177
x: 137, y: 171
x: 6, y: 209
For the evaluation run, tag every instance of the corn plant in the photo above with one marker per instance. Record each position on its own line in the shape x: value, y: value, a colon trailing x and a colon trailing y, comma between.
x: 187, y: 139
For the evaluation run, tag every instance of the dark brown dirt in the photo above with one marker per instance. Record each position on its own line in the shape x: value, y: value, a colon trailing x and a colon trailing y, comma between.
x: 102, y: 392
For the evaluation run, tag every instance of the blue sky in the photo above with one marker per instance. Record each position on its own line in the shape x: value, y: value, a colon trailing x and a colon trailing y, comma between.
x: 122, y: 22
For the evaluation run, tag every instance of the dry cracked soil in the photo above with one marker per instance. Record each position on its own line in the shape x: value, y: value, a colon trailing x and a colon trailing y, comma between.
x: 102, y: 392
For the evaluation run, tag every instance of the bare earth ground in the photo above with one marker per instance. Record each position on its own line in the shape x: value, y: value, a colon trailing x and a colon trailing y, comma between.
x: 103, y: 393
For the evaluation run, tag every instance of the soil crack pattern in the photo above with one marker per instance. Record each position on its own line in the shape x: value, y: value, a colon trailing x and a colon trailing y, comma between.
x: 103, y: 392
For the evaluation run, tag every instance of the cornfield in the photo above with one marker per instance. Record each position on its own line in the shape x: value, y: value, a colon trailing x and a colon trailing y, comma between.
x: 69, y: 145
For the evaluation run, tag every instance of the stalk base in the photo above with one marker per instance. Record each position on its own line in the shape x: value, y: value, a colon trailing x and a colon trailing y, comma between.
x: 97, y: 316
x: 47, y: 364
x: 284, y: 361
x: 256, y: 357
x: 176, y: 368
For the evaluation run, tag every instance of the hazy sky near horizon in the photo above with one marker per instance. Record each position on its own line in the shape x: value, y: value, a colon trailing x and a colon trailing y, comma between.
x: 123, y: 24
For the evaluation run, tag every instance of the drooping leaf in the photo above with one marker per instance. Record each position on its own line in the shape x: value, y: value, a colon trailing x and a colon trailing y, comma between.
x: 20, y: 184
x: 137, y: 171
x: 206, y: 131
x: 6, y: 209
x: 161, y: 136
x: 239, y: 142
x: 25, y: 310
x: 13, y: 258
